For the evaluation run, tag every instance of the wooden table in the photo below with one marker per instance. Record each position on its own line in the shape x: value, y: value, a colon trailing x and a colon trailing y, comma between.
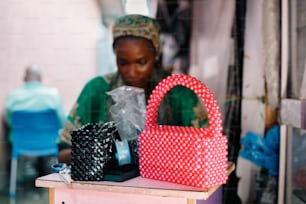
x: 136, y: 190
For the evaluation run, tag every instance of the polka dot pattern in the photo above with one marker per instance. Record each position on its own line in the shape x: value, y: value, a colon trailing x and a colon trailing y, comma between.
x: 185, y: 155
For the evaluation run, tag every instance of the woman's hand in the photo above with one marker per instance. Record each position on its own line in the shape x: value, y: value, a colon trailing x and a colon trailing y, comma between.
x: 64, y: 156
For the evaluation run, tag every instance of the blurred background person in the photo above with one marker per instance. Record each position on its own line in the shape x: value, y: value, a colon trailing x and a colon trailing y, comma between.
x: 33, y: 95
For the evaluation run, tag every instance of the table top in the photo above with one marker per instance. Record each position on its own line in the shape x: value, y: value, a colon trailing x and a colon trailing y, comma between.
x: 138, y: 185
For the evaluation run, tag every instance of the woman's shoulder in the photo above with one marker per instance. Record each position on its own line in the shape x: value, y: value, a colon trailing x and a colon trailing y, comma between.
x: 96, y: 88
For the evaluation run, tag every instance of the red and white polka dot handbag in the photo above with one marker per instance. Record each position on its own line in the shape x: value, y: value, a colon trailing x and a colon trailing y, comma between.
x: 186, y: 155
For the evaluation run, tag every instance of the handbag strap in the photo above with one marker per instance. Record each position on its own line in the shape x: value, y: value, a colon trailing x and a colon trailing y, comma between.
x: 213, y: 110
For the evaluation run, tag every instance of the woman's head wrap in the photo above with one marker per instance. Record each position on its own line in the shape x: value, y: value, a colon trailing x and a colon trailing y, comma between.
x: 137, y: 26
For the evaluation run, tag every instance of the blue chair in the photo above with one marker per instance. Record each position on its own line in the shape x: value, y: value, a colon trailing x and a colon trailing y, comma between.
x: 34, y: 134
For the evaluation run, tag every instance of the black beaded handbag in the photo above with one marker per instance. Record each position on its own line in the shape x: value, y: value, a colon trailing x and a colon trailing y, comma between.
x: 92, y: 149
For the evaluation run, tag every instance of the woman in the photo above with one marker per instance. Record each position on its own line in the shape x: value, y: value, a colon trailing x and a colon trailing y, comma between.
x: 136, y: 46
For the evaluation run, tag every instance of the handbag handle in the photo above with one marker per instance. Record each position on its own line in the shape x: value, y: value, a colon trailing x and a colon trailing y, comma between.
x: 199, y: 88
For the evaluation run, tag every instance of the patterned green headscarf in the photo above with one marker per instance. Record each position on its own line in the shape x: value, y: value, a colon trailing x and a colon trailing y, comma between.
x: 138, y: 26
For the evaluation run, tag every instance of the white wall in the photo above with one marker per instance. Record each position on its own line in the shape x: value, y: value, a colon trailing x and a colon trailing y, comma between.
x: 60, y: 36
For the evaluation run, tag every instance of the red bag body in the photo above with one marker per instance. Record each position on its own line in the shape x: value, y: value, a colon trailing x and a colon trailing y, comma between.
x: 191, y: 156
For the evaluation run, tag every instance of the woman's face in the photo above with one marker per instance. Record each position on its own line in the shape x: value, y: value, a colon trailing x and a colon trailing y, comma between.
x: 135, y: 60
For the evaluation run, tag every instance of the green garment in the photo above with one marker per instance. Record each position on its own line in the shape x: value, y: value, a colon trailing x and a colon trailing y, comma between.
x: 179, y: 107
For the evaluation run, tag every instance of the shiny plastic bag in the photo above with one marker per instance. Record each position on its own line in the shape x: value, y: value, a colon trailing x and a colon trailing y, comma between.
x: 128, y: 112
x: 262, y: 151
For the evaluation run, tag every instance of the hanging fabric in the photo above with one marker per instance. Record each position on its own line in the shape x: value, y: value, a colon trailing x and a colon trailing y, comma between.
x: 175, y: 20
